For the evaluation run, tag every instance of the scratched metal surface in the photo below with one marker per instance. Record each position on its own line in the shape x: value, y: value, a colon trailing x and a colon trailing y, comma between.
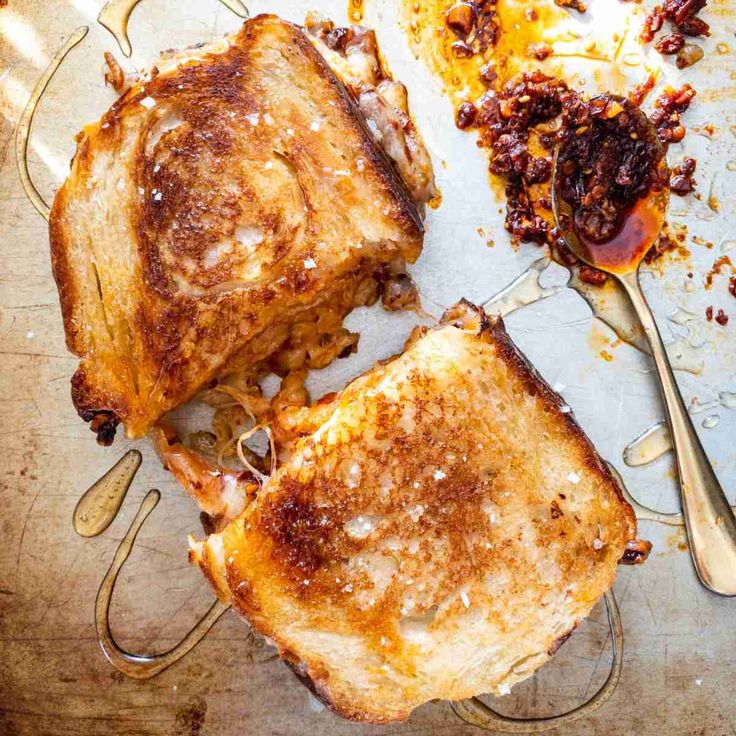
x: 679, y: 667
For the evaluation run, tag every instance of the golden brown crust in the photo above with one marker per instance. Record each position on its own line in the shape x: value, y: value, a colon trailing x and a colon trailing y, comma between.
x: 226, y: 194
x: 446, y: 510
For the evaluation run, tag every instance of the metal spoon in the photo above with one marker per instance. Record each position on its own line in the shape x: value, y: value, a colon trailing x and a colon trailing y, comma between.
x: 710, y: 522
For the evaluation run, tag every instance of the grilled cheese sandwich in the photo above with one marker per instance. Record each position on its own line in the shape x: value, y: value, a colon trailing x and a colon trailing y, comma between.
x: 231, y: 197
x: 436, y: 531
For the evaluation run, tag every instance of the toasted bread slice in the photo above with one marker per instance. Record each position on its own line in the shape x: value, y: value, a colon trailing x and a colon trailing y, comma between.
x: 438, y: 535
x: 232, y: 197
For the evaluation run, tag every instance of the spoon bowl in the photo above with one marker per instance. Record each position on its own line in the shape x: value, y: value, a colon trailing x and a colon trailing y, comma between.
x: 640, y: 224
x: 709, y: 519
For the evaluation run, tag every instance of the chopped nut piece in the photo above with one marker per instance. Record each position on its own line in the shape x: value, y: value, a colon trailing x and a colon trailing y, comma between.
x: 670, y: 44
x: 578, y: 5
x: 460, y: 18
x: 466, y: 115
x: 462, y: 50
x: 540, y: 51
x: 694, y: 27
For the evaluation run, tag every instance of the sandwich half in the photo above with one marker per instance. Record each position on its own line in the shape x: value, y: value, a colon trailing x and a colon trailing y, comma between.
x: 230, y: 207
x: 435, y: 530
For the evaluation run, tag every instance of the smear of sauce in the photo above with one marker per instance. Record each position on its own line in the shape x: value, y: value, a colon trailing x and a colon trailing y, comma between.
x: 648, y: 446
x: 143, y: 666
x: 26, y: 120
x: 100, y: 504
x: 525, y: 289
x: 115, y: 14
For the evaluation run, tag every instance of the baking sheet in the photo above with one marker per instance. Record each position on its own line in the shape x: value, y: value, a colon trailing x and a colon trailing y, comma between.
x: 678, y: 669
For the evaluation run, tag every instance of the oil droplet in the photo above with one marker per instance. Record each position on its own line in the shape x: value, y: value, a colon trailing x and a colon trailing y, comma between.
x: 711, y: 421
x: 727, y: 246
x: 23, y: 132
x: 115, y: 14
x: 143, y: 666
x: 99, y: 506
x: 681, y: 316
x: 355, y: 10
x: 648, y: 446
x: 696, y: 407
x: 632, y: 58
x: 727, y: 399
x: 731, y: 165
x: 522, y: 291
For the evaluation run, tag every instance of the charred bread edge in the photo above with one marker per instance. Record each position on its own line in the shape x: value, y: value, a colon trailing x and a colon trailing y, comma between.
x: 384, y: 166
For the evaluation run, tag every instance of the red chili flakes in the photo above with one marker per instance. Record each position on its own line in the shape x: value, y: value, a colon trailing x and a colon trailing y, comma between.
x: 709, y: 314
x: 732, y: 286
x: 640, y: 92
x: 722, y: 318
x: 667, y: 110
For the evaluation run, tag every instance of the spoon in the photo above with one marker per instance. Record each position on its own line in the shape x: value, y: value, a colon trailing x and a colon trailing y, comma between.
x: 709, y: 520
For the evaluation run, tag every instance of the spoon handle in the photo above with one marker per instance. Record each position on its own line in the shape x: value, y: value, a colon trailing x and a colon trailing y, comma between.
x: 709, y: 520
